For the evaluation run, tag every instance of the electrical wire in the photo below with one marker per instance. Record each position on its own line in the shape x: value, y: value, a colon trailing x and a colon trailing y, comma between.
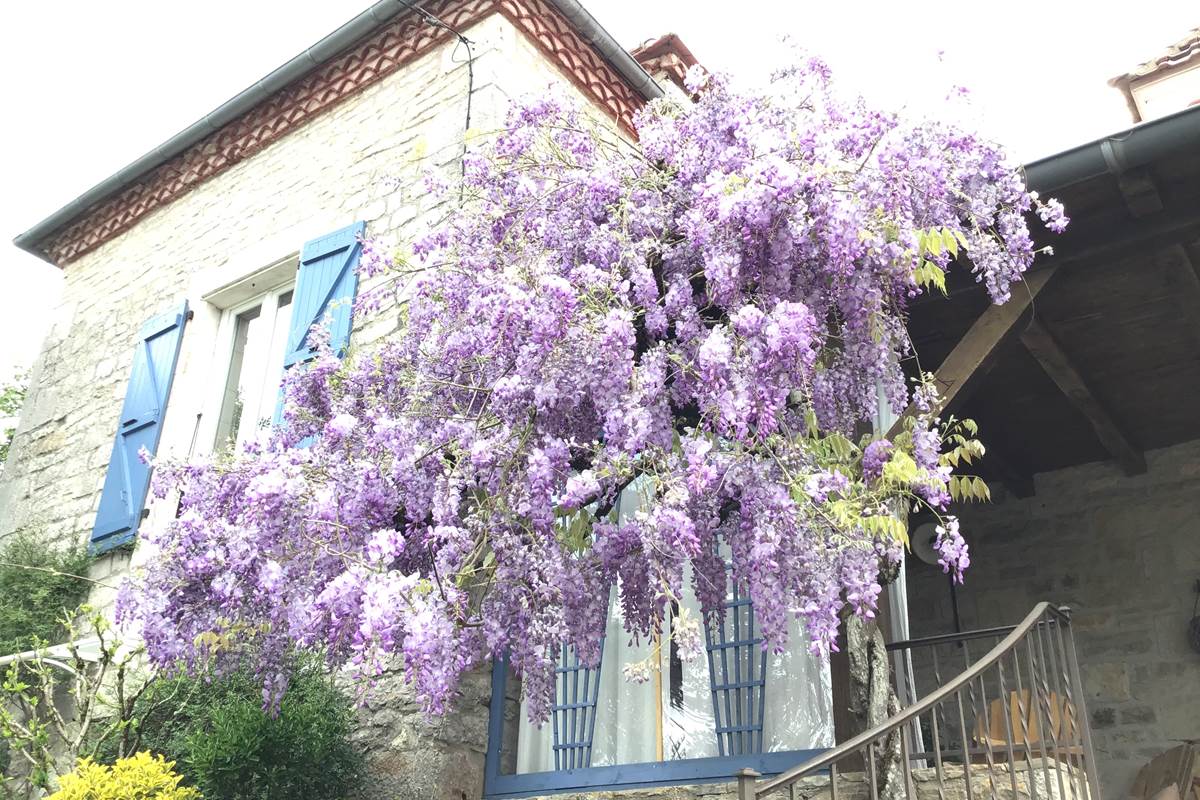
x: 439, y: 23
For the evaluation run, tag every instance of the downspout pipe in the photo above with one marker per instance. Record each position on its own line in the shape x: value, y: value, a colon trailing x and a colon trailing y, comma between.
x: 321, y: 52
x: 1113, y: 155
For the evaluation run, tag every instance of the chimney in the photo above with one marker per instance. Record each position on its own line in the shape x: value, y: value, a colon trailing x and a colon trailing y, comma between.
x: 1165, y: 84
x: 667, y: 59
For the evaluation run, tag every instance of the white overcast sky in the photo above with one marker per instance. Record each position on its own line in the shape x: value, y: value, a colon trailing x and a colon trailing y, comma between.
x: 90, y: 86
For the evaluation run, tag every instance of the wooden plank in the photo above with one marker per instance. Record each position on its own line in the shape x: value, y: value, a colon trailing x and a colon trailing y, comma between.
x: 1041, y: 344
x: 974, y: 353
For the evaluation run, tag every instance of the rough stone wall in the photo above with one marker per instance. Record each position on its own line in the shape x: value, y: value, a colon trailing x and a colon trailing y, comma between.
x: 410, y: 757
x: 1124, y: 554
x: 362, y: 160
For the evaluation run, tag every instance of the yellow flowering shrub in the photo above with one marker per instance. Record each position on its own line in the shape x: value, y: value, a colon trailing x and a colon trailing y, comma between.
x: 140, y: 777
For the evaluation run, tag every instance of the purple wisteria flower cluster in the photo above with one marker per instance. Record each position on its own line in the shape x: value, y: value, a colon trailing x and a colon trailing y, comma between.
x: 953, y: 553
x: 703, y: 318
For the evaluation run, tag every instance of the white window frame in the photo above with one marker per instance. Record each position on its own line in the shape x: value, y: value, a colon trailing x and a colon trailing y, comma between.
x: 261, y: 288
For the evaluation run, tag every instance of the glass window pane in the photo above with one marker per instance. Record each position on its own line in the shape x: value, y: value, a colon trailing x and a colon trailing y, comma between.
x: 272, y: 374
x: 633, y: 727
x: 233, y: 401
x: 250, y: 381
x: 255, y: 371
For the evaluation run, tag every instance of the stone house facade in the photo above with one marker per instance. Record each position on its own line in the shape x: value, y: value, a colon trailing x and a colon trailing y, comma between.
x: 231, y: 215
x: 340, y: 137
x: 319, y: 154
x: 1164, y: 84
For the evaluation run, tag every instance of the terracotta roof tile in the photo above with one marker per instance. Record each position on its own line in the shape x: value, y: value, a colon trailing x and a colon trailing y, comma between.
x: 1182, y: 51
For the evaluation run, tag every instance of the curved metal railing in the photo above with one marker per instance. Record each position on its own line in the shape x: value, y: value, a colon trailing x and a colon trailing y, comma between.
x: 1014, y: 716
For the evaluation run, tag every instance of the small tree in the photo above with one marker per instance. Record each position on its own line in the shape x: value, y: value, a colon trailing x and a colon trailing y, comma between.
x: 58, y: 707
x: 39, y: 583
x: 707, y: 318
x: 213, y: 727
x: 12, y: 397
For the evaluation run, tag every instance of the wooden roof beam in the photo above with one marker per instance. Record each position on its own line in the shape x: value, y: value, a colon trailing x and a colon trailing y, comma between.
x: 1049, y: 353
x: 973, y: 355
x: 1139, y: 192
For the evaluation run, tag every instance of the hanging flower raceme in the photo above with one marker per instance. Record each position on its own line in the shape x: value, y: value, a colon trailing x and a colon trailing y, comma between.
x: 701, y: 320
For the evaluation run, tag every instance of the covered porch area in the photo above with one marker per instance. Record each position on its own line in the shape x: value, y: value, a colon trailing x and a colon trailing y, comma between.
x: 1085, y: 389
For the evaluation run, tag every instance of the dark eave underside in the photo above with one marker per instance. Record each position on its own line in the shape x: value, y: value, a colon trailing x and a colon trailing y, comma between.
x: 1123, y: 308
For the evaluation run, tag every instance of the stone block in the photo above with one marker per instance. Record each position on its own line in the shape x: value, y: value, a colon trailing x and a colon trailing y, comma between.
x: 1131, y: 736
x: 1137, y: 715
x: 426, y: 772
x: 1106, y: 682
x: 1120, y: 643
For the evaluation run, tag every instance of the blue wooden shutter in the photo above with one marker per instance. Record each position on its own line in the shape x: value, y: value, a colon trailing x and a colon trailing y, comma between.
x: 737, y: 675
x: 140, y: 425
x: 326, y: 283
x: 574, y: 711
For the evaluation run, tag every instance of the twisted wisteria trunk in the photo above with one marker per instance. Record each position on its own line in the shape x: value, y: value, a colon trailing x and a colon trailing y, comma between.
x: 873, y: 699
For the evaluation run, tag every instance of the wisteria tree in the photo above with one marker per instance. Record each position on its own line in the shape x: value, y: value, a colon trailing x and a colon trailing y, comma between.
x: 708, y: 317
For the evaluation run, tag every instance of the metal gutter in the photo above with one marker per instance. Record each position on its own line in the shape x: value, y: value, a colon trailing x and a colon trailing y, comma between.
x: 1118, y: 153
x: 595, y: 35
x: 321, y: 52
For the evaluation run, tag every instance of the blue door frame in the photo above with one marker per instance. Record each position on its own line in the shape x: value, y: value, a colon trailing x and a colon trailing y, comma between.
x: 621, y: 776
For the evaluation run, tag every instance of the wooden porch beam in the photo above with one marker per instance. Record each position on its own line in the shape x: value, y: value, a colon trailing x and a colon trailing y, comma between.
x: 1042, y: 345
x: 973, y: 354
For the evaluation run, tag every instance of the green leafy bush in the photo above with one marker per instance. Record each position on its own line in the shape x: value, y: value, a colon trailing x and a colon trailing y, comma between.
x: 37, y: 587
x: 227, y: 746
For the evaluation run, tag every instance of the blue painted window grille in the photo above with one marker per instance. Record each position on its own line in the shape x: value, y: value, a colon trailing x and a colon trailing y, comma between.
x: 574, y: 711
x: 741, y: 743
x: 737, y: 673
x: 503, y: 784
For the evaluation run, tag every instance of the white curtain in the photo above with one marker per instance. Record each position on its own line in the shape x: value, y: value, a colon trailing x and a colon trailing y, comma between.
x: 625, y: 711
x: 797, y: 699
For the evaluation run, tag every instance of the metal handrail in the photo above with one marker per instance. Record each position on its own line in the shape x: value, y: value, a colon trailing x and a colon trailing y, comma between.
x: 750, y: 789
x: 953, y: 638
